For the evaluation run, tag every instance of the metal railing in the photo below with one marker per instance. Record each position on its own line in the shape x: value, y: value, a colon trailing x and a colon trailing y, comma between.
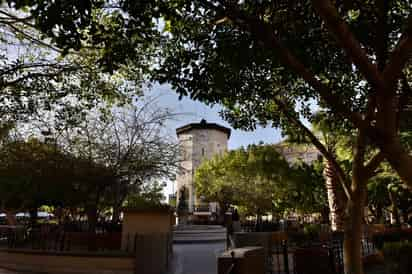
x: 58, y: 240
x: 231, y: 269
x: 152, y: 251
x: 202, y: 209
x: 281, y: 254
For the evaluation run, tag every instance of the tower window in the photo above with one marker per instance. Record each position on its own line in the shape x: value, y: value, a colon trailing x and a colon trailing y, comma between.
x: 203, y: 151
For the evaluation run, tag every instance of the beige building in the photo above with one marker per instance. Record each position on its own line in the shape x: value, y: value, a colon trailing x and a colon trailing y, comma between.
x: 294, y: 153
x: 199, y: 141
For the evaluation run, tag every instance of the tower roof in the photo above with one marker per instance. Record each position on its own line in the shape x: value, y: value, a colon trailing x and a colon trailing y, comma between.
x: 203, y: 125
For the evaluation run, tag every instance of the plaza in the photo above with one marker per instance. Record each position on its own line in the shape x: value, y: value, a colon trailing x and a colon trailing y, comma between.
x: 206, y: 137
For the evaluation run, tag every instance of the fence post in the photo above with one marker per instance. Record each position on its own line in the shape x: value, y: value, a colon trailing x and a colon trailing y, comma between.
x: 285, y: 256
x: 127, y: 242
x: 137, y: 256
x: 246, y: 260
x: 332, y: 260
x: 233, y: 266
x: 135, y: 243
x: 67, y: 238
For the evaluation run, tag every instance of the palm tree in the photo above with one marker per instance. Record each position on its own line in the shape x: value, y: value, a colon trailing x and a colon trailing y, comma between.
x: 336, y: 197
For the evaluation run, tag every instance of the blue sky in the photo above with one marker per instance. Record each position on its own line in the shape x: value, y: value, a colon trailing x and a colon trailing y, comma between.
x: 193, y: 111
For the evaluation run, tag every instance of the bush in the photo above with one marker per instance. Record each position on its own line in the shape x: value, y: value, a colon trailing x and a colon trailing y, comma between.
x: 398, y: 257
x: 392, y: 235
x: 312, y: 231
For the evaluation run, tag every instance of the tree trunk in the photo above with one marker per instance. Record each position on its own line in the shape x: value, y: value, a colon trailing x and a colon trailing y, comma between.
x: 379, y: 215
x: 336, y: 197
x: 405, y: 216
x: 92, y: 221
x: 118, y: 202
x: 399, y: 159
x: 10, y: 217
x: 116, y: 214
x: 395, y: 219
x: 33, y: 216
x: 352, y: 250
x: 325, y: 215
x: 92, y: 218
x: 258, y: 223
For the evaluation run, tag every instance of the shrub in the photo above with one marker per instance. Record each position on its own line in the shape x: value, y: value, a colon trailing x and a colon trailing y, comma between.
x: 398, y: 257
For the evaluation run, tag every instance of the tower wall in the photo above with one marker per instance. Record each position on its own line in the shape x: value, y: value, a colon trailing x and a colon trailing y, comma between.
x: 197, y: 145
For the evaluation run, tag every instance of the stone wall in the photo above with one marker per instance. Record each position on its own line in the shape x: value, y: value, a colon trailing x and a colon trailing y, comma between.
x: 143, y: 222
x: 247, y: 260
x: 65, y: 262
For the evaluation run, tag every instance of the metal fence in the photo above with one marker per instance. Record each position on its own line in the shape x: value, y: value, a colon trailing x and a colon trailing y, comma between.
x: 264, y: 226
x: 286, y: 255
x: 152, y: 252
x: 59, y: 240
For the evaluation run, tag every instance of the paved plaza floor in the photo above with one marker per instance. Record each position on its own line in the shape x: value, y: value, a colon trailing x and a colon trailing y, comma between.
x: 196, y: 258
x: 3, y: 271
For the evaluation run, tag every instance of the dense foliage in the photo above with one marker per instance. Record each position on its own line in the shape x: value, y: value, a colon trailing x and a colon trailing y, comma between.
x: 258, y: 180
x: 266, y: 62
x: 109, y: 160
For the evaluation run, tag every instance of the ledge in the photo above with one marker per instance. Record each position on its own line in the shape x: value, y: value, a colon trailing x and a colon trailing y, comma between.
x: 156, y: 209
x: 114, y: 254
x: 242, y: 252
x: 203, y: 125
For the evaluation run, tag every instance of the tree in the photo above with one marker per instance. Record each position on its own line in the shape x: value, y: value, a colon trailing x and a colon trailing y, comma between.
x: 119, y: 31
x: 70, y: 64
x: 264, y: 59
x: 244, y: 177
x: 259, y: 180
x: 387, y: 194
x: 33, y: 174
x: 308, y: 182
x: 129, y: 141
x: 46, y: 71
x: 333, y: 136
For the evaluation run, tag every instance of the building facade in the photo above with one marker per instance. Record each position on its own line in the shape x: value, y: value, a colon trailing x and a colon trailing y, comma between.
x: 199, y: 142
x: 294, y: 153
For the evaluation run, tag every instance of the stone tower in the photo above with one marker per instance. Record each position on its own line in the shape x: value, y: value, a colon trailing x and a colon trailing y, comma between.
x: 199, y: 141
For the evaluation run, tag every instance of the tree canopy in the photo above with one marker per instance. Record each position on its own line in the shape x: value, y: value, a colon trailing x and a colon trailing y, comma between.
x: 111, y: 159
x: 269, y: 60
x: 266, y: 62
x: 49, y: 66
x: 259, y: 180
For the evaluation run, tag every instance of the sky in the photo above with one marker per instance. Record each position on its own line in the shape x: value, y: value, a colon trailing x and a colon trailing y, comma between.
x: 191, y: 111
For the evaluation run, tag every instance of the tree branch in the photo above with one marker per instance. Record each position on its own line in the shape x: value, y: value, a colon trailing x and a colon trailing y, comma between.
x: 23, y: 20
x: 381, y: 33
x: 348, y: 42
x: 17, y: 67
x: 400, y: 56
x: 403, y: 100
x: 322, y: 149
x: 33, y: 39
x: 4, y: 84
x: 373, y: 164
x: 359, y: 176
x: 266, y: 34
